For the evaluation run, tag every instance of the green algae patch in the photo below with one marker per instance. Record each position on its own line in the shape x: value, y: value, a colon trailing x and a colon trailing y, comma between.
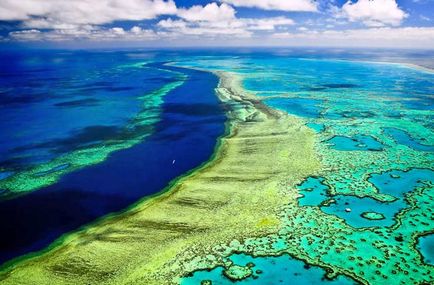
x: 373, y: 216
x: 238, y: 194
x: 136, y: 131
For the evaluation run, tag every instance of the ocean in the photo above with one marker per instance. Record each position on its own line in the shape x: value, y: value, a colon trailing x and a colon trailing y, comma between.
x: 86, y: 134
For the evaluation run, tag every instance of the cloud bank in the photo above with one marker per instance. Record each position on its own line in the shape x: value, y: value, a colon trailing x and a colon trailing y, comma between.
x: 210, y: 12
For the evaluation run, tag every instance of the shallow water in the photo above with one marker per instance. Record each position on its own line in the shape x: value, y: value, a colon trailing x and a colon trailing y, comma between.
x: 269, y: 270
x: 402, y: 137
x: 314, y: 192
x: 357, y: 142
x: 398, y: 183
x: 317, y: 127
x: 297, y: 106
x: 426, y: 248
x: 353, y: 209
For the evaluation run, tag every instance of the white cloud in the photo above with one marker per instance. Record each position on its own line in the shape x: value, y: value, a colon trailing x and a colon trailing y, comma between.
x: 241, y: 27
x: 374, y: 13
x: 90, y: 34
x: 370, y: 37
x: 211, y: 12
x: 26, y: 35
x: 214, y: 19
x: 281, y: 5
x: 172, y: 24
x: 177, y: 28
x: 136, y: 30
x: 266, y: 24
x: 70, y: 14
x: 205, y: 33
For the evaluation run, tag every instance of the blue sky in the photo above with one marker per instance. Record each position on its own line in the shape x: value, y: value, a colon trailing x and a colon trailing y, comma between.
x: 112, y: 23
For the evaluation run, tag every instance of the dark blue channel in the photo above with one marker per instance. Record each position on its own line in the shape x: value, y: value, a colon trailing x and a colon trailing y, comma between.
x: 191, y: 122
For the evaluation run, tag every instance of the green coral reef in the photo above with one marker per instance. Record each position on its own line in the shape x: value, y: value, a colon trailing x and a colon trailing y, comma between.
x: 246, y: 200
x: 373, y: 216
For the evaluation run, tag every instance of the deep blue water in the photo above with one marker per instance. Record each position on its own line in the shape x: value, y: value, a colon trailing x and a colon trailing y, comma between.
x: 49, y: 99
x: 191, y: 122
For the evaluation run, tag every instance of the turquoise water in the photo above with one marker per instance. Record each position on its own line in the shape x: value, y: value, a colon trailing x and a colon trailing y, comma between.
x: 426, y: 248
x: 402, y: 137
x: 317, y: 127
x: 350, y: 208
x: 358, y: 206
x: 329, y: 88
x: 357, y: 142
x: 269, y: 270
x: 314, y: 192
x: 398, y: 183
x: 297, y: 106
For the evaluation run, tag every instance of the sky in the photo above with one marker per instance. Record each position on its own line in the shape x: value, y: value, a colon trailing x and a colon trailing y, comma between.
x: 205, y: 23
